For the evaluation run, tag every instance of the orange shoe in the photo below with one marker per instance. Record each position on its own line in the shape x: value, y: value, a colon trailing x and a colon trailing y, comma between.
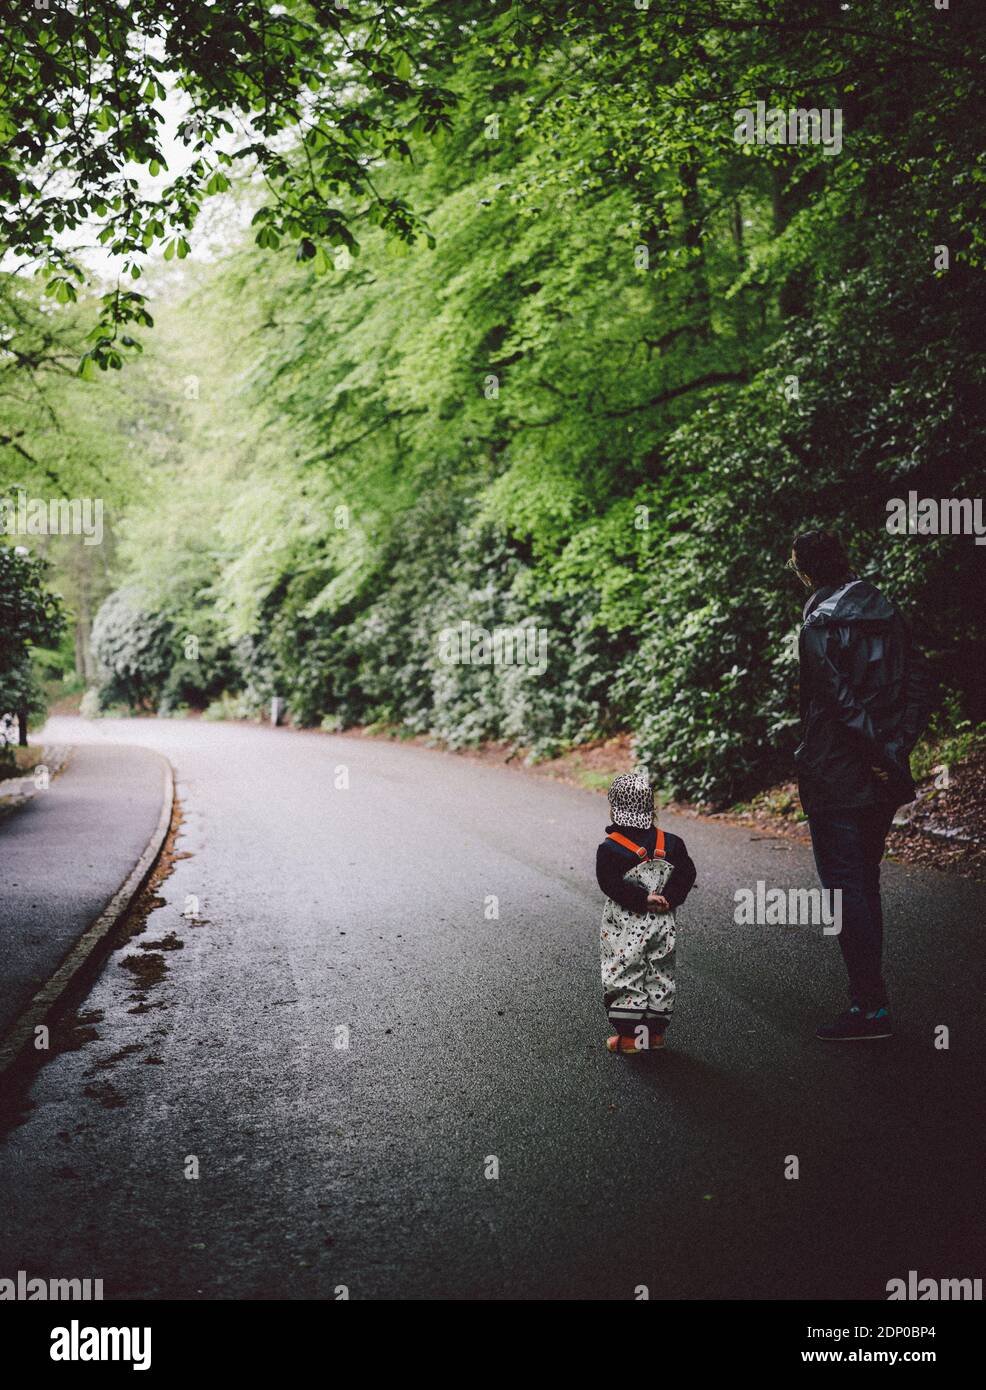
x: 629, y: 1045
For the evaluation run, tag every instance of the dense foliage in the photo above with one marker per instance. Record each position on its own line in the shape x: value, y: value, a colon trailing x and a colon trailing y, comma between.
x: 30, y: 615
x: 84, y: 106
x: 630, y: 359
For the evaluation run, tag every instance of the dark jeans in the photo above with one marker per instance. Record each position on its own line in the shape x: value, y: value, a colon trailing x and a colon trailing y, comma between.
x: 848, y: 846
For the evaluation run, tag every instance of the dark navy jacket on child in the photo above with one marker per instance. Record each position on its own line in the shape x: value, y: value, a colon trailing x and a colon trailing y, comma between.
x: 613, y: 861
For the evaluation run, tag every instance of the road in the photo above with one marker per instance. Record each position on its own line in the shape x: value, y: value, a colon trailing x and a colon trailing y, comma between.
x: 342, y: 884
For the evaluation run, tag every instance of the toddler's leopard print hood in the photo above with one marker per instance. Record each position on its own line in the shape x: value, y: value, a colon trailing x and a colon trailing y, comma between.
x: 631, y: 798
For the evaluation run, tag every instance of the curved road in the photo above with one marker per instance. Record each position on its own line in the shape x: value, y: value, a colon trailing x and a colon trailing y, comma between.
x: 324, y: 907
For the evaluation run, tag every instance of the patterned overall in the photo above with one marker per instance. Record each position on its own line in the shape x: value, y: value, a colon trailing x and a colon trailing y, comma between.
x: 637, y: 949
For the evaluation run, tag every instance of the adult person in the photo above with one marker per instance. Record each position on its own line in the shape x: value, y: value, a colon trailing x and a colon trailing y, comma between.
x: 865, y: 699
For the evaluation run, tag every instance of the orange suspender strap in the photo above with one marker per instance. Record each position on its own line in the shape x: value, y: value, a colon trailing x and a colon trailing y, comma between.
x: 639, y: 849
x: 627, y: 844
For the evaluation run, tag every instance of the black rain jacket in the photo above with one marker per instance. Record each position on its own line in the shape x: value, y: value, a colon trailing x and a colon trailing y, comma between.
x: 866, y: 696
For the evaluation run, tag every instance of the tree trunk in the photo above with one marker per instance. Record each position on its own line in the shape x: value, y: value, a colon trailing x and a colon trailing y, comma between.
x: 699, y: 298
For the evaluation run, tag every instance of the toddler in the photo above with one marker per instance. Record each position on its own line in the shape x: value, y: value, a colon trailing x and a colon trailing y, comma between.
x: 646, y: 873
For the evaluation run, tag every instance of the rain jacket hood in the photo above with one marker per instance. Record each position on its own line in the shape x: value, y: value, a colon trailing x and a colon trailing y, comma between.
x: 856, y: 601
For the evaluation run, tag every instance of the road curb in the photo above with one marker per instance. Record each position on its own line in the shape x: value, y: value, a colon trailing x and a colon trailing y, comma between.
x: 16, y: 792
x: 87, y: 952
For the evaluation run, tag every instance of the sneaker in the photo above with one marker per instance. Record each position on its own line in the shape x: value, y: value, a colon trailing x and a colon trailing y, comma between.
x: 857, y: 1025
x: 629, y: 1045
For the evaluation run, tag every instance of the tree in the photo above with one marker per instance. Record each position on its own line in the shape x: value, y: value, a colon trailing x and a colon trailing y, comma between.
x: 81, y: 104
x: 641, y: 355
x: 30, y: 616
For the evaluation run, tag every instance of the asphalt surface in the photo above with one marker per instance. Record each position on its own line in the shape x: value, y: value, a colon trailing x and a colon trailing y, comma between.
x: 471, y: 1039
x: 63, y: 855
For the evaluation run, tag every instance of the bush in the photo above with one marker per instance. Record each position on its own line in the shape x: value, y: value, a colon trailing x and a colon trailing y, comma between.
x: 134, y: 651
x: 150, y: 658
x: 229, y: 707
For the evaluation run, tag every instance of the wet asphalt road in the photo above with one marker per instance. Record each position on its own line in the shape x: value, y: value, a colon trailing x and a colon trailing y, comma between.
x: 323, y: 907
